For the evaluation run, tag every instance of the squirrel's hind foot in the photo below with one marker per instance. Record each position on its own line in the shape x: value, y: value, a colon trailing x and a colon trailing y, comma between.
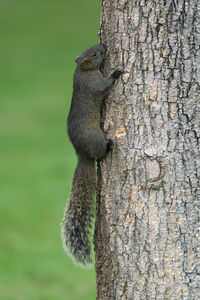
x: 109, y: 145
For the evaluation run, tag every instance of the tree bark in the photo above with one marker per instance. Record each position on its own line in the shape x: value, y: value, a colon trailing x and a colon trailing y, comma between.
x: 148, y: 206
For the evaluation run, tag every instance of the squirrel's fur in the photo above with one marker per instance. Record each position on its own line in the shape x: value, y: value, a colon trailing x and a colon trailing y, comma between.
x: 89, y: 90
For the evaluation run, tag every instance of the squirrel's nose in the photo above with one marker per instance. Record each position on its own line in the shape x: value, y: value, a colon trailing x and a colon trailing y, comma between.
x: 104, y: 46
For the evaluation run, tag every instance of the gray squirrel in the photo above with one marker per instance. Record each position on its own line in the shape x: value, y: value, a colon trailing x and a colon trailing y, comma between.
x: 89, y: 90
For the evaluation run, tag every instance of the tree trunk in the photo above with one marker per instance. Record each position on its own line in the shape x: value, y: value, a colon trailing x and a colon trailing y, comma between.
x: 147, y: 230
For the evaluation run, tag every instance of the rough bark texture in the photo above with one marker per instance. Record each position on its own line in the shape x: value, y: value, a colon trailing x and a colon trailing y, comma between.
x: 147, y: 230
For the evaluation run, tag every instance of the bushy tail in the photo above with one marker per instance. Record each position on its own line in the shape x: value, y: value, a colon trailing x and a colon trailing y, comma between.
x: 77, y: 219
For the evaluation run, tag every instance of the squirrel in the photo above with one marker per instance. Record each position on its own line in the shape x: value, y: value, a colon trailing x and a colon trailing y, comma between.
x: 83, y: 124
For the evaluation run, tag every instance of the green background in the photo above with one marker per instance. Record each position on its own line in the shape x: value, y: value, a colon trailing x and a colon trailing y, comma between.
x: 39, y: 41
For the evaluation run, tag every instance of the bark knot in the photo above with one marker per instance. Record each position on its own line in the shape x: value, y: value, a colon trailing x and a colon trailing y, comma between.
x: 153, y: 170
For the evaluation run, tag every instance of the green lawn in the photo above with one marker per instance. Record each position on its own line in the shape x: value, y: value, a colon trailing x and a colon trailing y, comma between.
x: 39, y: 41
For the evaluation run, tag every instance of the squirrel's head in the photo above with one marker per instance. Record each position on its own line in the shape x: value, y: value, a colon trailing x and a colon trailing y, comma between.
x: 92, y: 58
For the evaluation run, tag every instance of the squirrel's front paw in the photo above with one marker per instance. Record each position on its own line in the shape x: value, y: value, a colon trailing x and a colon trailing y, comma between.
x: 117, y: 73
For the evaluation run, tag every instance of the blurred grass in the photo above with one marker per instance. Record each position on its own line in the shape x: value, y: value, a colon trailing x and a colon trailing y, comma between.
x: 38, y: 43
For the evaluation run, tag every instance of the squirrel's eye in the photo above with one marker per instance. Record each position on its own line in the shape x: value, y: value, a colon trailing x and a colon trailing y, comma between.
x: 94, y: 54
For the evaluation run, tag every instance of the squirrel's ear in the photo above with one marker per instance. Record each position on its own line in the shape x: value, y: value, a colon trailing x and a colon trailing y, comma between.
x: 77, y: 58
x: 86, y: 64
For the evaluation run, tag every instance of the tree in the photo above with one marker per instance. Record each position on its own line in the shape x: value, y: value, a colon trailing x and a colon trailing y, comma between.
x: 147, y: 228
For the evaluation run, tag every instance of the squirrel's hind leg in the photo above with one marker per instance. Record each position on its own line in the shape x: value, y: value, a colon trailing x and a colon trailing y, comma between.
x: 95, y: 143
